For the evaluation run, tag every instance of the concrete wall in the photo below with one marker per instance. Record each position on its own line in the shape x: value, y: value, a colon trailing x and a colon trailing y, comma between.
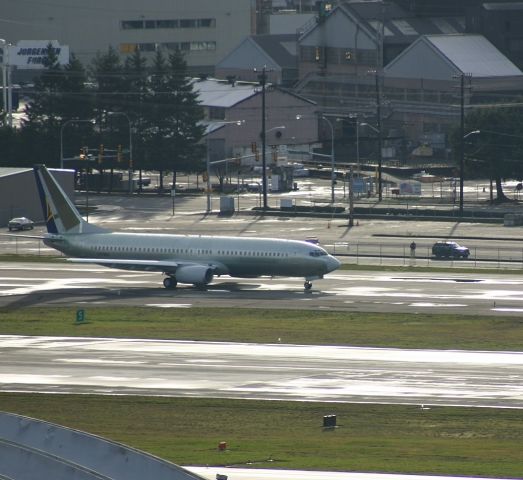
x: 21, y: 436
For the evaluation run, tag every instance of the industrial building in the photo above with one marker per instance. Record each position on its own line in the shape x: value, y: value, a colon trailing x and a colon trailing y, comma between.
x: 204, y: 30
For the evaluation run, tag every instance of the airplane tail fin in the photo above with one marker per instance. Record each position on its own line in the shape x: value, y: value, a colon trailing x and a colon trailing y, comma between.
x: 60, y: 214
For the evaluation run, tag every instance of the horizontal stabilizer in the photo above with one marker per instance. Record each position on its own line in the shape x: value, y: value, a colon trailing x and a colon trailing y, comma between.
x: 20, y: 235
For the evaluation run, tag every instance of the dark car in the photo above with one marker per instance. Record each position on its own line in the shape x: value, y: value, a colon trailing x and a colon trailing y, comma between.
x: 20, y: 223
x: 449, y: 250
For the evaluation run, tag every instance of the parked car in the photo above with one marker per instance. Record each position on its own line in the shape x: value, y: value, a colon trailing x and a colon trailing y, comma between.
x: 20, y: 223
x: 449, y: 250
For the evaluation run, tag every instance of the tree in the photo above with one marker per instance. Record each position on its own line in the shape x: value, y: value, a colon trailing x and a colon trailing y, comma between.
x: 136, y: 74
x: 496, y: 151
x: 172, y: 122
x: 109, y: 77
x: 59, y: 96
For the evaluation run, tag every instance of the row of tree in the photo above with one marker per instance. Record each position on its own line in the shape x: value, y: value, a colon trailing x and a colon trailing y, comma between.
x: 117, y: 104
x: 493, y: 145
x: 113, y: 108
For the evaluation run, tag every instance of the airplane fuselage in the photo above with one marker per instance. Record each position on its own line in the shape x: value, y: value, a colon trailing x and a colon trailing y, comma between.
x: 234, y: 256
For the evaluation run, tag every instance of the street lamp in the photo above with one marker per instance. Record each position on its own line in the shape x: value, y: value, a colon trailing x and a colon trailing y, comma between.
x: 208, y: 187
x: 130, y: 171
x: 67, y: 122
x: 462, y: 168
x: 333, y: 173
x: 6, y: 83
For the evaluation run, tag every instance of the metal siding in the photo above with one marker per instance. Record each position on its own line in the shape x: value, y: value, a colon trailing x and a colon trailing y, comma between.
x: 475, y: 55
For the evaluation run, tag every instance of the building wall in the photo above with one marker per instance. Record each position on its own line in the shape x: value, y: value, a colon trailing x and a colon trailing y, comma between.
x: 338, y: 46
x: 19, y: 196
x: 208, y: 29
x: 281, y: 110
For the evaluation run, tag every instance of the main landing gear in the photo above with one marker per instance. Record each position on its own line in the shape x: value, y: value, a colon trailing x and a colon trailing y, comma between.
x: 170, y: 283
x: 307, y: 285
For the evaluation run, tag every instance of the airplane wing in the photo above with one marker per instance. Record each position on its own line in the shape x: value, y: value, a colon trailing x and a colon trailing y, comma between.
x: 123, y: 264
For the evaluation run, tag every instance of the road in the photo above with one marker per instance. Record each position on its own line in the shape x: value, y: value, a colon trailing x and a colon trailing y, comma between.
x: 260, y: 474
x: 260, y: 371
x: 26, y: 284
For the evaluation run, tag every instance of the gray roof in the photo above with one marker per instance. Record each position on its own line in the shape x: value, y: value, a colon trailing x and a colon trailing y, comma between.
x: 474, y: 54
x: 402, y: 26
x: 281, y: 48
x: 503, y: 6
x: 275, y: 51
x: 221, y: 93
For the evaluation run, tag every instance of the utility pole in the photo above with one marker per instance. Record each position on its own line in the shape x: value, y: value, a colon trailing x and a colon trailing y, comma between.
x: 380, y: 139
x: 263, y: 81
x: 462, y: 143
x: 351, y: 197
x: 462, y: 139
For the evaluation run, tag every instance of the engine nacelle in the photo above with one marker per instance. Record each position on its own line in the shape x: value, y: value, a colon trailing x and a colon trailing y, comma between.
x: 195, y: 274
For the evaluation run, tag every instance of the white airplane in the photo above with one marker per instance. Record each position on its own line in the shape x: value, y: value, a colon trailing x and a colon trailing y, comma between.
x: 192, y: 259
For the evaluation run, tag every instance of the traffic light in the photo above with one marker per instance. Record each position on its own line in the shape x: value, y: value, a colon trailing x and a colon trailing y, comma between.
x: 101, y: 153
x: 119, y: 154
x: 254, y: 149
x: 274, y: 154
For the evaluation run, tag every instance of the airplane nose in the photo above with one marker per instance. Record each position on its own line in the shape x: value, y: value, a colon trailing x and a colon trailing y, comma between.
x: 332, y: 263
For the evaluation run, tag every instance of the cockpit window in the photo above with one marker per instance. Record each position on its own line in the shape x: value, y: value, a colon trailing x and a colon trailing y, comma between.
x: 317, y: 252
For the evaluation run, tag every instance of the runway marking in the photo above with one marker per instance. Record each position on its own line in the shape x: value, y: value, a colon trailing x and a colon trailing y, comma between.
x: 507, y: 309
x: 428, y: 304
x: 169, y: 305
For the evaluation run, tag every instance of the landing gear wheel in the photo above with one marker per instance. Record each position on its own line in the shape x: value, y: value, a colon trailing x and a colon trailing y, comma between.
x: 170, y: 283
x: 307, y: 285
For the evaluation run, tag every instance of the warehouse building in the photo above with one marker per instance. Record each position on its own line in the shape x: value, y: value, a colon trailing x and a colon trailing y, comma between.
x: 205, y: 30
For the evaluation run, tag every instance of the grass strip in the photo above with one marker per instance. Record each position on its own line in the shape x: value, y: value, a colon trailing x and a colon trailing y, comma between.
x: 307, y: 327
x: 266, y: 434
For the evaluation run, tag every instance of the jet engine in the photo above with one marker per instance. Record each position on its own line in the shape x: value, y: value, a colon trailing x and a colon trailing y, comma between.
x: 195, y: 274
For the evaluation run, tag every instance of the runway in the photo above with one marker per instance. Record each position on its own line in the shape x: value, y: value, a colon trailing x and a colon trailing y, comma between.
x: 25, y: 284
x: 260, y: 474
x: 254, y: 371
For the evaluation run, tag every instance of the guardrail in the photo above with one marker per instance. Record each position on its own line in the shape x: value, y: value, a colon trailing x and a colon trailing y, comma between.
x: 360, y: 253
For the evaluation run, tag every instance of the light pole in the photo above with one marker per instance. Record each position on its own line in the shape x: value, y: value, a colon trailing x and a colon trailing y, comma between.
x: 130, y: 170
x: 462, y: 167
x: 3, y: 42
x: 67, y: 122
x: 209, y: 186
x: 6, y: 83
